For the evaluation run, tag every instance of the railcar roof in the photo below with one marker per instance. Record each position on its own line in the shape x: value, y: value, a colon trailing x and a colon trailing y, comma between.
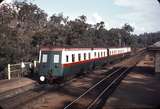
x: 119, y: 48
x: 69, y: 49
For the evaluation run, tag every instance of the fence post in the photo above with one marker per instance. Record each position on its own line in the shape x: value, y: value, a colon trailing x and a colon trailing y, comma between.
x: 9, y: 71
x: 35, y: 64
x: 22, y: 67
x: 39, y: 56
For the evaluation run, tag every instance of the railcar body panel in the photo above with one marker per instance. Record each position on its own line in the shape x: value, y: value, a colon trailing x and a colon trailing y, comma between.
x: 62, y: 62
x: 76, y: 61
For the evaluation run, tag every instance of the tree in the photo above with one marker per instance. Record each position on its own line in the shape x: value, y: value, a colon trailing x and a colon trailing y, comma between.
x: 99, y: 26
x: 83, y: 18
x: 128, y: 28
x: 76, y: 31
x: 56, y: 28
x: 126, y: 34
x: 30, y: 16
x: 7, y: 14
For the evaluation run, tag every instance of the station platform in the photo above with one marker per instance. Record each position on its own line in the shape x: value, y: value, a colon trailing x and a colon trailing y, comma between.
x: 6, y: 85
x: 140, y: 89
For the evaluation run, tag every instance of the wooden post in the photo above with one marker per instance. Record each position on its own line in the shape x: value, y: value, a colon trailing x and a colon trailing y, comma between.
x: 22, y: 67
x: 35, y: 64
x: 9, y: 71
x: 39, y: 56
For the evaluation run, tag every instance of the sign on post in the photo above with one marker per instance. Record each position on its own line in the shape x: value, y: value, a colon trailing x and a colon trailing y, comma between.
x: 22, y: 65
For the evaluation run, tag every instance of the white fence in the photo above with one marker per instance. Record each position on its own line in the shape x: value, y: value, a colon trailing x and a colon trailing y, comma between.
x: 20, y: 70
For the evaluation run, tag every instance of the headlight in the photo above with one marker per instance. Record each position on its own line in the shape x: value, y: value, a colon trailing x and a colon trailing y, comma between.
x: 42, y: 78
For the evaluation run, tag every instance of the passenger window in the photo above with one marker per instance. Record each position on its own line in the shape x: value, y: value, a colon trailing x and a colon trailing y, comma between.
x: 73, y: 58
x: 84, y: 56
x: 56, y: 58
x: 66, y: 58
x: 101, y: 54
x: 89, y: 55
x: 44, y: 58
x: 98, y: 54
x: 79, y: 57
x: 94, y: 54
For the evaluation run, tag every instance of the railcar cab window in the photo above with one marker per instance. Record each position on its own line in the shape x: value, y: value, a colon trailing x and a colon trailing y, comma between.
x: 44, y: 58
x: 67, y: 59
x: 73, y: 58
x: 56, y: 58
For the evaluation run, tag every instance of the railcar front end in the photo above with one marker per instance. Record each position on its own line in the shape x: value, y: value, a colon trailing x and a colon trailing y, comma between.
x: 50, y: 65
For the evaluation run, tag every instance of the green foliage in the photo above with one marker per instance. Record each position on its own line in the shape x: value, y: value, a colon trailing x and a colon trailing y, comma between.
x: 25, y: 28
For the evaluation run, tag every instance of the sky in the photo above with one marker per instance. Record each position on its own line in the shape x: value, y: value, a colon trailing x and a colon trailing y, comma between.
x: 143, y: 15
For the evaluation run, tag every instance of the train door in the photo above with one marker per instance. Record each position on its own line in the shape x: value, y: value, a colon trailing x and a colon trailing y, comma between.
x: 56, y: 64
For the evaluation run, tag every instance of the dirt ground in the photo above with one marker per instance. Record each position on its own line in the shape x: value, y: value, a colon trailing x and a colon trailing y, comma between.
x: 139, y: 90
x: 58, y: 98
x: 6, y: 85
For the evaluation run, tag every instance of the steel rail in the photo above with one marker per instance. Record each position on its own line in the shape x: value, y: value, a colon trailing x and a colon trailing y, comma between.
x: 107, y: 88
x: 88, y: 90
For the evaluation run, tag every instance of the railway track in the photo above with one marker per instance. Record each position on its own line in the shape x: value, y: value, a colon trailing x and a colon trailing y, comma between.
x: 91, y: 97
